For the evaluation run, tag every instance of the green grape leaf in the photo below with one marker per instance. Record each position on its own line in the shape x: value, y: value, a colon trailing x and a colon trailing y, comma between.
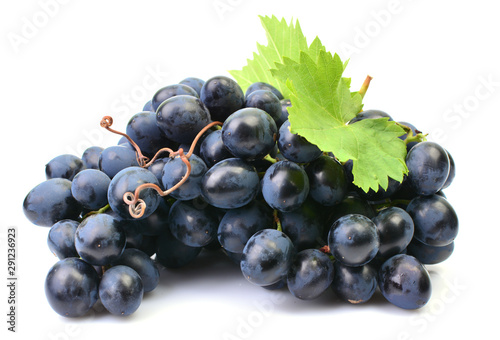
x: 323, y: 104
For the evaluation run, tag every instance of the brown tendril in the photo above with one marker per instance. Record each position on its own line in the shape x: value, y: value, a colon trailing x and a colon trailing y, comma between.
x: 106, y: 123
x: 137, y: 206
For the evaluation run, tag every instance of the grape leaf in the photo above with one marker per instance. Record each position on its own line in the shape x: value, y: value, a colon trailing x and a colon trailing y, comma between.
x: 322, y: 104
x: 283, y: 41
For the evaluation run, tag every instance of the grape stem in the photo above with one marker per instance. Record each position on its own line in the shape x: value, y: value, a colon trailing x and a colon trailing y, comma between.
x: 100, y: 211
x: 137, y: 206
x: 277, y: 221
x: 106, y: 123
x: 393, y: 203
x: 364, y: 86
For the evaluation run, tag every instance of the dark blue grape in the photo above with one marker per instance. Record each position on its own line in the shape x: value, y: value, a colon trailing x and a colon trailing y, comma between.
x: 213, y: 150
x: 222, y: 96
x: 265, y: 100
x: 90, y: 188
x: 392, y: 187
x: 99, y: 240
x: 349, y: 205
x: 238, y: 225
x: 131, y: 228
x: 353, y: 240
x: 63, y: 166
x: 181, y: 118
x: 157, y: 168
x: 148, y: 106
x: 143, y: 265
x: 267, y: 257
x: 304, y: 226
x: 327, y: 180
x: 310, y: 274
x: 170, y: 91
x: 116, y: 158
x: 144, y: 131
x: 428, y: 167
x: 128, y: 180
x: 50, y: 202
x: 195, y: 83
x: 192, y: 223
x: 395, y: 230
x: 61, y: 239
x: 285, y: 104
x: 173, y: 172
x: 285, y: 186
x: 172, y: 253
x: 451, y: 174
x: 426, y: 254
x: 404, y: 282
x: 90, y: 157
x: 249, y: 133
x: 156, y: 223
x: 354, y: 284
x: 296, y: 148
x: 370, y: 114
x: 263, y: 86
x: 230, y: 184
x: 436, y: 222
x: 121, y: 290
x: 71, y: 287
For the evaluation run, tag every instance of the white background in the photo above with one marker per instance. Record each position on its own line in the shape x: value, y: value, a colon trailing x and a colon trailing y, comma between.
x: 434, y: 63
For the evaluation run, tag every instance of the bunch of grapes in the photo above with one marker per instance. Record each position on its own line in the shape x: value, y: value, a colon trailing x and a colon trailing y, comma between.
x: 282, y: 209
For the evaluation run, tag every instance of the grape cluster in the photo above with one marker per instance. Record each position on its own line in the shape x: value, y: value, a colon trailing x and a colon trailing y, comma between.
x: 282, y: 209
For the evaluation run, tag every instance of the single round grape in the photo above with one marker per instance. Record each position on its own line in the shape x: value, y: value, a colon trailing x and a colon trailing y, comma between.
x: 285, y: 186
x: 195, y: 83
x: 71, y: 287
x: 263, y: 86
x: 327, y: 180
x: 61, y: 239
x: 354, y: 284
x: 90, y: 157
x: 128, y: 180
x: 265, y: 100
x: 249, y: 133
x: 395, y: 230
x: 213, y: 150
x: 99, y: 240
x: 267, y: 257
x: 170, y: 91
x: 193, y: 225
x: 238, y: 225
x: 144, y: 131
x: 172, y: 253
x: 404, y: 282
x: 310, y: 274
x: 116, y: 158
x: 353, y: 240
x: 222, y: 96
x: 296, y: 148
x: 428, y: 167
x: 451, y: 174
x: 51, y: 201
x: 174, y: 171
x: 436, y: 222
x: 181, y: 118
x: 143, y: 265
x: 229, y: 184
x: 90, y: 188
x: 121, y: 290
x: 63, y: 166
x: 427, y: 254
x: 304, y: 226
x: 370, y: 114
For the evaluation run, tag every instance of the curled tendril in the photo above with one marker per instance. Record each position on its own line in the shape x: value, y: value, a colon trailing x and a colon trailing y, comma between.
x: 137, y: 206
